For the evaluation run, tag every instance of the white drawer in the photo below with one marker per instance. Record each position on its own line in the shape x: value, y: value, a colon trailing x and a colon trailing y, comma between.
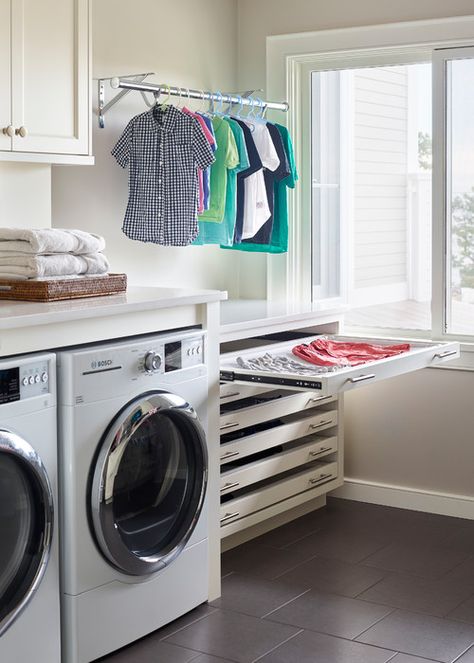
x: 297, y: 427
x: 295, y: 483
x: 305, y: 452
x: 231, y: 392
x: 273, y: 409
x: 420, y: 355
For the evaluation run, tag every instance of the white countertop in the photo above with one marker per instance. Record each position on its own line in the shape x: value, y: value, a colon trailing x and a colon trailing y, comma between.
x: 241, y: 318
x: 14, y: 314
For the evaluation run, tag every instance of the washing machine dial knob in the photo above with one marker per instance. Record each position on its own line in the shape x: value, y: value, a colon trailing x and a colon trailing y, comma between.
x: 152, y: 362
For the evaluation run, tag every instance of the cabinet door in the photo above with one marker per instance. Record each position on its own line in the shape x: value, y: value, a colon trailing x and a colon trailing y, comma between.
x: 5, y: 65
x: 50, y: 72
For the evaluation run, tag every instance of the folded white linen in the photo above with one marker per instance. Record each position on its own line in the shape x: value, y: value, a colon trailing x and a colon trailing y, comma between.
x: 62, y: 264
x: 49, y: 240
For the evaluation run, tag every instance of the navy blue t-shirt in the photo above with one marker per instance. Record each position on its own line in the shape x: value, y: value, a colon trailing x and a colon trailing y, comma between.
x: 255, y: 165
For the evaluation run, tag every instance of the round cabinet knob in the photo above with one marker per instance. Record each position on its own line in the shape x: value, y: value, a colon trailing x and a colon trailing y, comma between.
x: 152, y: 362
x: 22, y: 131
x: 9, y: 131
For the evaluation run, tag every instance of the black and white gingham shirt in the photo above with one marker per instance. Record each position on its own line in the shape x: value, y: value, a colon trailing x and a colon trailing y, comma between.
x: 164, y: 149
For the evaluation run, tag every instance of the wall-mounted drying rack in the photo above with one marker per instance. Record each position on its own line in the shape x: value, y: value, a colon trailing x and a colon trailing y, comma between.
x: 137, y: 82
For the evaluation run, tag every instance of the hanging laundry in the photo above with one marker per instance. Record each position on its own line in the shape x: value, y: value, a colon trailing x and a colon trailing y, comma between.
x: 164, y: 149
x: 210, y: 139
x: 256, y: 208
x: 223, y: 233
x: 264, y: 235
x: 255, y: 164
x: 325, y: 352
x: 279, y: 235
x: 206, y: 174
x: 226, y: 158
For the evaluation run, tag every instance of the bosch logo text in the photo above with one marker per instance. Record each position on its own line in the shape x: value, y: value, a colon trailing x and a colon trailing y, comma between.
x: 102, y: 363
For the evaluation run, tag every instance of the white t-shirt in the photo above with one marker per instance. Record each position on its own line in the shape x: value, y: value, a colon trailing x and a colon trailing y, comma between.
x: 256, y: 209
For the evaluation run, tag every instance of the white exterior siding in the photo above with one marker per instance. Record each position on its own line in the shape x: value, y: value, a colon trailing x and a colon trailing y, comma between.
x: 380, y: 184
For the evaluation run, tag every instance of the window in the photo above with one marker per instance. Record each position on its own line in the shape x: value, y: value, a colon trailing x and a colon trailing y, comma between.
x: 459, y: 176
x: 371, y: 179
x: 383, y: 217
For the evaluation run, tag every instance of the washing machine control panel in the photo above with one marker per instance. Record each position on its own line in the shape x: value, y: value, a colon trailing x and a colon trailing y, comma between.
x: 173, y: 355
x: 24, y: 381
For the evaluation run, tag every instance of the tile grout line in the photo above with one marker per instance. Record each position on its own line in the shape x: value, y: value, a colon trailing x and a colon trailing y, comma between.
x: 194, y: 621
x: 354, y: 639
x: 462, y: 654
x: 286, y: 603
x: 259, y: 658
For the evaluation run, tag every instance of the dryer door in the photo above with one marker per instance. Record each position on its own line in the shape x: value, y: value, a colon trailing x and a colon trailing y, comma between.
x: 148, y: 483
x: 26, y: 525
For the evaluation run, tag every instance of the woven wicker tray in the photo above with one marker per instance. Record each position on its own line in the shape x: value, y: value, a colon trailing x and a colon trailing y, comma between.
x: 56, y: 289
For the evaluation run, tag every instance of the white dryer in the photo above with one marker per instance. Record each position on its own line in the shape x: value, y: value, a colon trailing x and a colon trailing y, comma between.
x: 133, y: 475
x: 29, y: 560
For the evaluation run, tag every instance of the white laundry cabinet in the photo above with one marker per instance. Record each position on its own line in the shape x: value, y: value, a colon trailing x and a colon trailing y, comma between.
x: 281, y: 433
x: 44, y: 80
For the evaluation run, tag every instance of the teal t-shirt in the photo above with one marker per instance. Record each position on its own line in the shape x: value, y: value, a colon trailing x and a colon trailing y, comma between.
x: 279, y: 238
x: 226, y: 158
x: 223, y: 233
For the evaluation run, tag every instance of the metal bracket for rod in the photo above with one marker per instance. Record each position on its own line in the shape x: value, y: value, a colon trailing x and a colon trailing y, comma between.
x: 103, y: 107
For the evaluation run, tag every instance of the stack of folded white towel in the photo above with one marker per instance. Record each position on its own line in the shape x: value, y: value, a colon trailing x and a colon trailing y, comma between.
x: 50, y: 253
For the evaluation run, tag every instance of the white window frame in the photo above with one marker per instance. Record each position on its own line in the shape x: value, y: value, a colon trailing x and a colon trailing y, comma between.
x: 290, y: 59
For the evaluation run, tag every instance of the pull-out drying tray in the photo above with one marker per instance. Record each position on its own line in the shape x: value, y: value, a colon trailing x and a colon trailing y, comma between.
x: 276, y: 365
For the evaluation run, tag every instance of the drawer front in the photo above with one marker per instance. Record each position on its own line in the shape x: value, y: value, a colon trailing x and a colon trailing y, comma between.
x: 250, y: 444
x: 339, y: 380
x: 280, y: 490
x: 273, y: 409
x: 309, y: 450
x: 232, y: 392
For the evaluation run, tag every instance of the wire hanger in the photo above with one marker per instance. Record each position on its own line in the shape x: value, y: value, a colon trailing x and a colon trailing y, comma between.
x: 165, y: 103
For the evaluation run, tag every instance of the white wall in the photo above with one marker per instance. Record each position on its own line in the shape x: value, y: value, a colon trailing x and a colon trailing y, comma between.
x: 416, y: 430
x: 186, y: 43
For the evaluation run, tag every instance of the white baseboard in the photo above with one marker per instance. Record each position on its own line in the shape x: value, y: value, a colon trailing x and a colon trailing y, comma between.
x: 447, y: 504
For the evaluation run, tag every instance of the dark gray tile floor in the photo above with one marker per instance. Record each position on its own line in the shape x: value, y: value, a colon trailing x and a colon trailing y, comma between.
x: 350, y: 583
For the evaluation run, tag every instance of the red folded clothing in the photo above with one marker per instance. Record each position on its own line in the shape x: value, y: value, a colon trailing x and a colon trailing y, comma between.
x: 324, y: 352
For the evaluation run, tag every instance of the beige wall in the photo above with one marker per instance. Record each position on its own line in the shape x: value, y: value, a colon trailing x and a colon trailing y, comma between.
x: 415, y: 431
x: 25, y: 195
x: 186, y: 43
x: 260, y: 18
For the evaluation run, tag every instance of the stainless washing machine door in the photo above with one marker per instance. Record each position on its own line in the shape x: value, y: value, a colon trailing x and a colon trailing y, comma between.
x: 26, y: 525
x: 148, y: 483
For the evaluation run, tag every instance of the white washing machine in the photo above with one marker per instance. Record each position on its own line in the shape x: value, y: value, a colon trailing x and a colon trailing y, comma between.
x: 29, y: 560
x: 133, y: 475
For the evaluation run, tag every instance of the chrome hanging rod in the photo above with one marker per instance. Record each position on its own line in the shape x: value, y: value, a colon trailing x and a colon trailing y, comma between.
x: 184, y: 93
x: 137, y: 82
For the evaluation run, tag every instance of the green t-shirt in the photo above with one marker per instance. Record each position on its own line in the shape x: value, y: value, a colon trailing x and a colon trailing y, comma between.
x: 223, y: 233
x: 226, y: 158
x: 279, y: 238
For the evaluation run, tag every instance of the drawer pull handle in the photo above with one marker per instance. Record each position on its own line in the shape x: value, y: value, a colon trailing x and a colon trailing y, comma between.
x: 229, y: 516
x: 321, y: 423
x: 230, y: 454
x: 361, y: 378
x: 322, y: 450
x: 321, y: 477
x: 314, y: 400
x: 230, y: 425
x: 228, y: 486
x: 231, y: 395
x: 446, y: 353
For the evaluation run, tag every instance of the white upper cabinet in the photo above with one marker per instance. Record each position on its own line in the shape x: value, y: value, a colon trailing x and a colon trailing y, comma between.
x: 44, y: 79
x: 5, y: 67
